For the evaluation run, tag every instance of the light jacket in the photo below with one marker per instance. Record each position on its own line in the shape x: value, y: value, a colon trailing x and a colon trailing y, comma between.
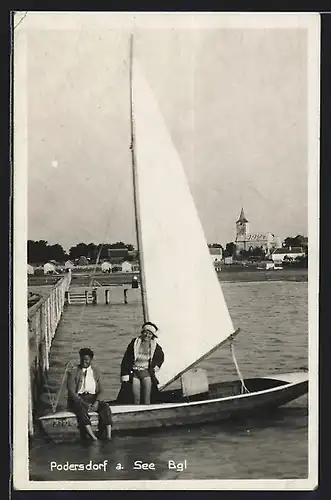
x: 157, y: 358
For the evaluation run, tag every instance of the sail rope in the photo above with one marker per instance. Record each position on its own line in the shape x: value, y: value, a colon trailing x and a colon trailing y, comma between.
x: 243, y: 386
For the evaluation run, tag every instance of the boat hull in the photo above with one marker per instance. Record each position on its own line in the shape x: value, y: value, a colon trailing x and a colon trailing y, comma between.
x: 265, y: 394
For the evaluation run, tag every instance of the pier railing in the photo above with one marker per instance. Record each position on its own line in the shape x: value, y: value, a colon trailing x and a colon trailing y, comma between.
x: 43, y: 318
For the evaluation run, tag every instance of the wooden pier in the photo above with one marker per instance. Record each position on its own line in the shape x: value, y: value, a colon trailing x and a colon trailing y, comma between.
x: 43, y: 318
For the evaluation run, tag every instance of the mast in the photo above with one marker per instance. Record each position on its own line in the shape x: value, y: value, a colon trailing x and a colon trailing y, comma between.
x: 135, y: 194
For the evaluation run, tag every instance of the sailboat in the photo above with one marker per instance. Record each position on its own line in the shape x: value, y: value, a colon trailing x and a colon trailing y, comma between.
x: 187, y: 303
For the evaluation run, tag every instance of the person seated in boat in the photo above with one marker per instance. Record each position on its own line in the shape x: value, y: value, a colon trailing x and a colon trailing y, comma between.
x: 143, y: 357
x: 85, y: 394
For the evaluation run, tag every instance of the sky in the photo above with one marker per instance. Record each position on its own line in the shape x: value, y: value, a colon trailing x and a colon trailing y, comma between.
x: 235, y: 104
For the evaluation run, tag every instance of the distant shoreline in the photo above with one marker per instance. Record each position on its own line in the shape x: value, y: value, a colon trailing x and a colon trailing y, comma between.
x: 225, y: 275
x: 262, y: 275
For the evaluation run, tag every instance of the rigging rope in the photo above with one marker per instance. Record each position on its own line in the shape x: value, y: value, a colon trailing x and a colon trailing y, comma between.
x: 243, y: 386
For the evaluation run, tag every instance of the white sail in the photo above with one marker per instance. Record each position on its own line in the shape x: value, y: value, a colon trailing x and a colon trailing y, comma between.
x: 182, y: 292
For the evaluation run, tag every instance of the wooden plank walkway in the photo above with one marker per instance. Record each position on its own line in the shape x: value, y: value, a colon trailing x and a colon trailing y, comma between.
x: 106, y: 329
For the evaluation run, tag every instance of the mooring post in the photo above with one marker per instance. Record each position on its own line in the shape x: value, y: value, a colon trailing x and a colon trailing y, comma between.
x: 107, y: 296
x: 86, y: 296
x: 125, y: 295
x: 94, y: 296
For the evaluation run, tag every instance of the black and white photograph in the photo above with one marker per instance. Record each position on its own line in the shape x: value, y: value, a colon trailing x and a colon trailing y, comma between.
x: 166, y: 210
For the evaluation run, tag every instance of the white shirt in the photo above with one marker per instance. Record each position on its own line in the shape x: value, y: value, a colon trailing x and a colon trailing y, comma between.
x: 88, y: 382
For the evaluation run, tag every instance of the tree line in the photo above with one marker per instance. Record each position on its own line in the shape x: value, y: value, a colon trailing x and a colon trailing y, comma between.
x: 40, y: 251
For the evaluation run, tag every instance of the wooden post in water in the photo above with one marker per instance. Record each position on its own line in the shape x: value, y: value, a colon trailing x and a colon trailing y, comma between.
x: 107, y: 296
x: 86, y: 296
x: 125, y: 295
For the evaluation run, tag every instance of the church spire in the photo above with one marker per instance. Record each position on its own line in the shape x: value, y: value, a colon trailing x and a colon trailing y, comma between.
x: 242, y: 217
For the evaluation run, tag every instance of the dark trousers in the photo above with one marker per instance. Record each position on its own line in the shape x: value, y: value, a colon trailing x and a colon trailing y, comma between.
x: 80, y: 409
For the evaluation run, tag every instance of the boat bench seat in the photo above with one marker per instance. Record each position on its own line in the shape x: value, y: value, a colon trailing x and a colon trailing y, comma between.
x: 194, y: 382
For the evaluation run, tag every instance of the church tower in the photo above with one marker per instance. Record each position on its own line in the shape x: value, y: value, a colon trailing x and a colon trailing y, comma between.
x: 242, y: 229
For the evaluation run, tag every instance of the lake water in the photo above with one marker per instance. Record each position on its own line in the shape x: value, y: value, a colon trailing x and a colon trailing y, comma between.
x: 273, y: 319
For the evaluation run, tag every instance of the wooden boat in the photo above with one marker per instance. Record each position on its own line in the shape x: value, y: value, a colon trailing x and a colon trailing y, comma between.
x: 223, y: 401
x: 187, y: 304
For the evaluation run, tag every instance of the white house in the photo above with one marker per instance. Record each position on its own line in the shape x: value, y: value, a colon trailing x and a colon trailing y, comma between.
x: 126, y: 267
x: 49, y: 268
x: 69, y: 265
x: 106, y: 267
x: 30, y: 269
x: 291, y: 252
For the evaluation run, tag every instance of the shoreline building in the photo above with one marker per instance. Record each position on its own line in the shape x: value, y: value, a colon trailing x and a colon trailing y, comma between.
x: 291, y: 253
x: 245, y: 240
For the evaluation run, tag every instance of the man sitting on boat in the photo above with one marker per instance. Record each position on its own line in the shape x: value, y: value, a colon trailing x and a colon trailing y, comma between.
x: 85, y: 394
x: 142, y: 358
